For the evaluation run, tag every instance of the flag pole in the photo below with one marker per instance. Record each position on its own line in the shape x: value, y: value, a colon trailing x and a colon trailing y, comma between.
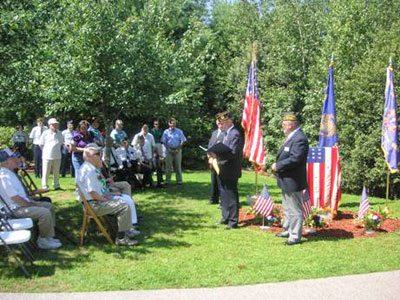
x: 253, y: 58
x: 388, y: 172
x: 387, y: 185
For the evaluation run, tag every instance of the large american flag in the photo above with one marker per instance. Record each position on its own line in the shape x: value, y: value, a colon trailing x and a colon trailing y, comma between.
x: 254, y: 144
x: 364, y: 204
x: 324, y: 177
x: 264, y: 204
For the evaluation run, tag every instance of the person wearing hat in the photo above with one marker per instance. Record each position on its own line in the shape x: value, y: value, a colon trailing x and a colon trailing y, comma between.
x: 51, y: 142
x: 216, y: 137
x: 173, y: 139
x: 94, y: 187
x: 22, y: 205
x: 35, y: 134
x: 66, y: 153
x: 229, y: 160
x: 291, y: 172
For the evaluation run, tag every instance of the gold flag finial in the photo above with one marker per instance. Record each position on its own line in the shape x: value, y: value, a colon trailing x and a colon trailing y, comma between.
x: 332, y: 60
x: 253, y: 50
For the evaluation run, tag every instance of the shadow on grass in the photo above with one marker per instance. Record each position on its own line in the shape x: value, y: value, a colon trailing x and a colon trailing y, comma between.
x: 165, y: 215
x: 329, y: 234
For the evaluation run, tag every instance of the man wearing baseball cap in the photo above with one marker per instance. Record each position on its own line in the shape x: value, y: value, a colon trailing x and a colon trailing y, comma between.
x: 51, y: 142
x: 21, y: 205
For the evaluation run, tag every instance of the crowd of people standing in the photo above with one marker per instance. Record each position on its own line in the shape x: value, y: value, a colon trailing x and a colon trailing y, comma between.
x: 133, y: 159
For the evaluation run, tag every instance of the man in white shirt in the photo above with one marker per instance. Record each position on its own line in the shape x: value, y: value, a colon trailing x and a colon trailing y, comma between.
x: 51, y: 141
x: 37, y: 150
x: 66, y: 153
x: 21, y: 205
x: 94, y: 188
x: 149, y: 143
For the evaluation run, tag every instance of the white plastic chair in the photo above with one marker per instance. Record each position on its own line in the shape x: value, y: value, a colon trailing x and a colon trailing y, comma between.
x: 20, y: 224
x: 18, y: 237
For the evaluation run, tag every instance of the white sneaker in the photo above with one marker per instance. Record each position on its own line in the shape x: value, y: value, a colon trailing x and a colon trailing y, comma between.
x: 55, y: 241
x: 132, y: 233
x: 125, y: 242
x: 44, y: 243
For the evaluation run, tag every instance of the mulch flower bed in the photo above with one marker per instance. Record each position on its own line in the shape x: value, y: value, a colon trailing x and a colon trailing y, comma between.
x: 342, y: 227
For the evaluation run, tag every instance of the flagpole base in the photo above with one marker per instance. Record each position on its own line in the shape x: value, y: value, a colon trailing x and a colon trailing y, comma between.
x: 265, y: 227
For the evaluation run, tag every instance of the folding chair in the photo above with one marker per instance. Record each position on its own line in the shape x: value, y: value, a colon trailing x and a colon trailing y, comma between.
x: 9, y: 225
x: 88, y: 215
x: 28, y: 181
x: 19, y: 237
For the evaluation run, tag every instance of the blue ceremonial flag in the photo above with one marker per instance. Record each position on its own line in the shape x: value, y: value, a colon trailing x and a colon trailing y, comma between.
x: 390, y: 141
x: 327, y: 132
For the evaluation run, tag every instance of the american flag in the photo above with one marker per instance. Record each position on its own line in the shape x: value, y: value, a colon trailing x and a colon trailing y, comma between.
x: 306, y: 204
x: 324, y: 177
x: 254, y: 144
x: 264, y: 204
x: 364, y: 204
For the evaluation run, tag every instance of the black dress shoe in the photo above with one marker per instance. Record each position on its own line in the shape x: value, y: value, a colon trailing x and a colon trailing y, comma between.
x: 59, y: 189
x: 291, y: 243
x: 212, y: 202
x: 282, y: 234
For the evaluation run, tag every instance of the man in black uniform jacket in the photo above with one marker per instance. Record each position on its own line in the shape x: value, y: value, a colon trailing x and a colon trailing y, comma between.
x: 291, y: 171
x: 229, y: 157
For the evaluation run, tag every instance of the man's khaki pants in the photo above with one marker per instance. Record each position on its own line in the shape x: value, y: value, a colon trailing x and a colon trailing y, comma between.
x: 114, y: 207
x: 43, y: 212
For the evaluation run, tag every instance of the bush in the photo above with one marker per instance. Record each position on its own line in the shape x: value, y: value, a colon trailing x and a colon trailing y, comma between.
x: 5, y: 136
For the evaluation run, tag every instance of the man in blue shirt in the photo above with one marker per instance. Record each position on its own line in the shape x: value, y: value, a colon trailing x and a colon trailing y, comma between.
x: 173, y: 139
x: 118, y: 135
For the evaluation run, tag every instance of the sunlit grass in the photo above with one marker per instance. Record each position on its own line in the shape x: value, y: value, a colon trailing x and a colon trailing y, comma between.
x: 182, y: 247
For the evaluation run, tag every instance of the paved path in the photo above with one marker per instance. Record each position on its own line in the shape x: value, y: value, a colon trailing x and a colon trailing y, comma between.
x: 380, y: 286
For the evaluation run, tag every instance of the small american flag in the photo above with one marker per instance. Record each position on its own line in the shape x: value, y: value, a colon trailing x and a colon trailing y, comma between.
x: 364, y: 204
x: 306, y: 204
x: 264, y: 204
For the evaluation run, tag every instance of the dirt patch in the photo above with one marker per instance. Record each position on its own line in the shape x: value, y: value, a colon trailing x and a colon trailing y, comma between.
x: 342, y: 227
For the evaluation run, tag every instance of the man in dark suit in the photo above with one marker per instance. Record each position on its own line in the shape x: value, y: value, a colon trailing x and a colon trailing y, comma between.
x: 216, y: 137
x: 290, y: 168
x: 228, y: 158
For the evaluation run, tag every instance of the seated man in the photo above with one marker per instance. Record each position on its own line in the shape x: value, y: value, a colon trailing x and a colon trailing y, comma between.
x: 94, y: 188
x: 22, y: 205
x: 141, y: 161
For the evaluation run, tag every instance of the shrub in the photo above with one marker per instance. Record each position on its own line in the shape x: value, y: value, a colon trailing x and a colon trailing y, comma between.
x: 5, y: 136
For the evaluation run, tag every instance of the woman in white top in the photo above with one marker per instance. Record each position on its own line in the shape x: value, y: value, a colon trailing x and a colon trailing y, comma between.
x: 51, y: 141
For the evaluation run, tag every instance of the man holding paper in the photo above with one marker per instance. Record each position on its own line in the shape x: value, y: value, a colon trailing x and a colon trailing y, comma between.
x: 226, y: 157
x: 216, y: 137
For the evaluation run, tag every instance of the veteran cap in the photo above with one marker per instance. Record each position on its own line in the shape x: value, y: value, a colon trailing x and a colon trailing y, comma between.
x: 289, y: 116
x: 223, y: 116
x: 6, y: 154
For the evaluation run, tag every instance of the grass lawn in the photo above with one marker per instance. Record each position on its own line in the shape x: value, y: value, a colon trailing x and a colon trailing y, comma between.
x: 181, y: 247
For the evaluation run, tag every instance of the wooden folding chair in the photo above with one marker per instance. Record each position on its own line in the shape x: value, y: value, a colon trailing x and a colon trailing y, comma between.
x: 88, y: 215
x: 28, y: 181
